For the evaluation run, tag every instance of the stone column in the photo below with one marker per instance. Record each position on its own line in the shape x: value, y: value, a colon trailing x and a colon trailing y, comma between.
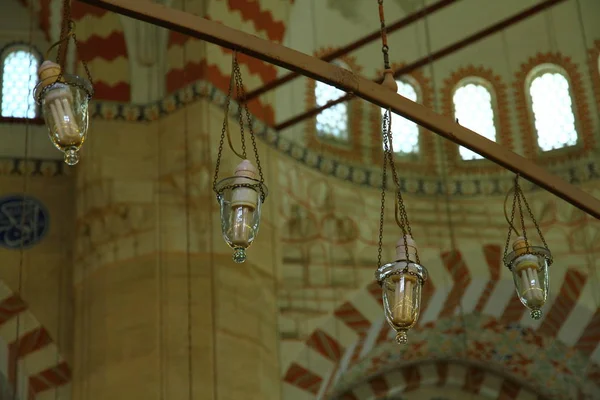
x: 138, y: 244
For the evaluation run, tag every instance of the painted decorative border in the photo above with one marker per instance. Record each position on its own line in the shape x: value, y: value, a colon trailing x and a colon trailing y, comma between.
x: 501, y: 117
x: 418, y: 163
x: 580, y: 171
x: 33, y: 167
x: 350, y: 150
x: 526, y: 123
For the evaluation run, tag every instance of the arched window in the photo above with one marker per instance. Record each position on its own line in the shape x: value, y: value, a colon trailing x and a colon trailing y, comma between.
x: 552, y: 109
x: 473, y: 109
x: 332, y: 122
x: 19, y: 77
x: 405, y: 133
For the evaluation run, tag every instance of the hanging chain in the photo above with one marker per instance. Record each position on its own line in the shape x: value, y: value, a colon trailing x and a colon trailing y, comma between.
x: 510, y: 222
x: 383, y: 188
x: 384, y: 45
x: 240, y: 98
x: 223, y: 133
x: 236, y: 79
x: 520, y: 199
x: 67, y: 32
x: 388, y: 157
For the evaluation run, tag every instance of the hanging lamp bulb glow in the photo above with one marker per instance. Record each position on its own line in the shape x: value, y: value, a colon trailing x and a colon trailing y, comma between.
x: 401, y: 282
x: 240, y: 198
x: 64, y: 100
x: 529, y: 267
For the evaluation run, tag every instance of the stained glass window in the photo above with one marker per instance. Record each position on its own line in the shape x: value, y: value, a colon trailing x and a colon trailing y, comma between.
x: 405, y: 133
x: 553, y: 111
x: 332, y: 122
x: 473, y: 109
x: 19, y: 77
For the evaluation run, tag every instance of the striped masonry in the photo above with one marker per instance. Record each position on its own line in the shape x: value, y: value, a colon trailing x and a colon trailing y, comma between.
x: 489, y: 292
x: 102, y: 46
x: 32, y: 359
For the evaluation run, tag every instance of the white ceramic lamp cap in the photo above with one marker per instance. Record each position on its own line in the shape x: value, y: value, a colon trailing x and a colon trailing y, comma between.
x: 246, y: 169
x: 401, y: 248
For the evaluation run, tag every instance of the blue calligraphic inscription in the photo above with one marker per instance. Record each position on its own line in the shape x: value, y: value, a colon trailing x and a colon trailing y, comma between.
x: 23, y: 221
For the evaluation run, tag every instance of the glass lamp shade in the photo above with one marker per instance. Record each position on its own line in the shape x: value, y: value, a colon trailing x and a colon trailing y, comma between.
x: 65, y: 108
x: 529, y: 267
x: 401, y: 283
x: 240, y: 200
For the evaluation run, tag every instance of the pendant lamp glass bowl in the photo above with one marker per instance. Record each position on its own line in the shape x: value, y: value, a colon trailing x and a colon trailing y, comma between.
x: 529, y: 268
x: 65, y: 108
x: 240, y: 201
x: 401, y: 283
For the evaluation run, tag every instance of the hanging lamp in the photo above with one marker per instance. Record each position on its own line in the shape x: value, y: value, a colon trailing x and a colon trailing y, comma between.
x: 64, y: 98
x: 240, y: 196
x: 528, y: 263
x: 401, y: 280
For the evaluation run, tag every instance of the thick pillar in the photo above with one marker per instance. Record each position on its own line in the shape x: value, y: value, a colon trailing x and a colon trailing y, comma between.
x: 138, y: 244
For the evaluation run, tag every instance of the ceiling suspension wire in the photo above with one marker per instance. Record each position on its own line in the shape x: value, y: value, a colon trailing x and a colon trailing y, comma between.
x: 24, y: 205
x: 445, y: 181
x: 213, y: 270
x: 162, y: 303
x: 187, y: 181
x: 589, y: 249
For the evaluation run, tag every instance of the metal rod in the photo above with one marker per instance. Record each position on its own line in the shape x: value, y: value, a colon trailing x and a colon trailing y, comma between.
x: 446, y: 51
x: 376, y: 35
x: 343, y: 79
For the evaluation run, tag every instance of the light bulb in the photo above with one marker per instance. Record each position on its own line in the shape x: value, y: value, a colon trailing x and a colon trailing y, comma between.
x: 65, y: 132
x: 402, y: 311
x: 244, y: 201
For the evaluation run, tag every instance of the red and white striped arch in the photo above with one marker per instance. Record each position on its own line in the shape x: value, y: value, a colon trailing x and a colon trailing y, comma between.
x: 29, y: 358
x: 471, y: 280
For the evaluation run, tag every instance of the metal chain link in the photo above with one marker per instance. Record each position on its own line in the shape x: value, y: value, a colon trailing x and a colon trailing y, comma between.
x: 236, y: 79
x: 85, y: 66
x: 240, y: 99
x: 405, y: 224
x: 384, y: 47
x: 388, y: 157
x: 535, y: 223
x: 383, y: 187
x: 519, y: 196
x: 67, y: 31
x: 510, y: 225
x: 223, y: 133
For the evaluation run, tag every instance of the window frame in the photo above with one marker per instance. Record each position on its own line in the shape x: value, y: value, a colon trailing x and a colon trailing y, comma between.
x: 480, y: 81
x: 5, y: 51
x: 330, y: 139
x: 536, y: 72
x: 351, y: 150
x: 401, y: 156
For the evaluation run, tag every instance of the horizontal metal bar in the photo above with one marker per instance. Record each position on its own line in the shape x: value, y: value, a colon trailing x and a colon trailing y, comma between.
x: 343, y: 79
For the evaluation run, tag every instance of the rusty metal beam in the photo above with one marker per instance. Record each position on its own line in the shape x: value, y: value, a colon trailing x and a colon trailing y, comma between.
x: 343, y: 79
x: 393, y: 27
x: 423, y: 61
